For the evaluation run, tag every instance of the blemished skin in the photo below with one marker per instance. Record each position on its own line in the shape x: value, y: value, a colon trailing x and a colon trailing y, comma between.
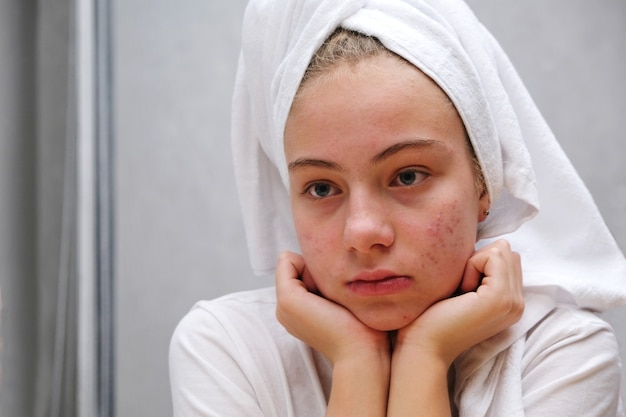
x: 386, y: 209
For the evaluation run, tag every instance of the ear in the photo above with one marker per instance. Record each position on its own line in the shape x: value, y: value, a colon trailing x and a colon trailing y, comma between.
x: 483, y: 207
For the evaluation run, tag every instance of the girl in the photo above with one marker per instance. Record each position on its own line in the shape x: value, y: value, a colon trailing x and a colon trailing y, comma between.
x: 379, y: 147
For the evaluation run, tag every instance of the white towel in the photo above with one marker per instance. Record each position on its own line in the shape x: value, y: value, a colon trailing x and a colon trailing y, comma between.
x: 567, y: 250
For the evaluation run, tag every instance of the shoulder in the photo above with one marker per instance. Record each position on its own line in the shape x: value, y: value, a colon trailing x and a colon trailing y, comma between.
x: 222, y: 320
x: 245, y: 303
x: 214, y: 351
x: 262, y: 296
x: 230, y: 356
x: 567, y: 325
x: 571, y: 364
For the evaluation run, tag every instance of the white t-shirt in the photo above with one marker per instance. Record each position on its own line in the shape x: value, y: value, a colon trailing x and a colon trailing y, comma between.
x: 231, y: 357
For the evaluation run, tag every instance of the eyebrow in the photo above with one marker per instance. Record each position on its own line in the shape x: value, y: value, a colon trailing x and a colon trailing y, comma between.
x: 378, y: 158
x: 315, y: 163
x: 409, y: 144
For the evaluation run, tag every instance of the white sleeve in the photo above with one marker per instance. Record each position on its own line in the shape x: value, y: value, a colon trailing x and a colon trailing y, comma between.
x: 206, y: 379
x: 571, y: 367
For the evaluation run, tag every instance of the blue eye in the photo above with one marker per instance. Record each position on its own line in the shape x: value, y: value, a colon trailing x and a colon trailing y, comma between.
x: 408, y: 178
x: 321, y: 190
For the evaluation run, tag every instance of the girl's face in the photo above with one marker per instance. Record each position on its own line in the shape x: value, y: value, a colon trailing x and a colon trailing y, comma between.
x: 383, y: 190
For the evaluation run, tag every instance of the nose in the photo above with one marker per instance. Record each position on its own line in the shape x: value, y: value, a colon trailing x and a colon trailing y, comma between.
x: 367, y: 226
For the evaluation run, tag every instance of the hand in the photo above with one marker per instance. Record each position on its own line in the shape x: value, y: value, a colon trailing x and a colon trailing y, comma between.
x: 486, y: 307
x: 322, y: 324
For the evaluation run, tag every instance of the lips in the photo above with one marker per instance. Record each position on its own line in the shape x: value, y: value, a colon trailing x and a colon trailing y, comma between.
x: 378, y: 283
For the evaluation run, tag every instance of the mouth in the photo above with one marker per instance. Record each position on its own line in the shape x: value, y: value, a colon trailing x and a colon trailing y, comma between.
x: 378, y: 283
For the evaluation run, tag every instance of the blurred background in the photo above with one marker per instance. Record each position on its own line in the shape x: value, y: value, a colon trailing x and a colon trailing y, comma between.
x: 118, y: 204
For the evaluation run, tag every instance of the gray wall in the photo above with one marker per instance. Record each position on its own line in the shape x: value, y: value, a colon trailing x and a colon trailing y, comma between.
x: 180, y: 237
x: 179, y: 233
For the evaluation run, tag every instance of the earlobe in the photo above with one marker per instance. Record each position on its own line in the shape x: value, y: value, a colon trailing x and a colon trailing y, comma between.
x: 484, y: 211
x: 483, y: 216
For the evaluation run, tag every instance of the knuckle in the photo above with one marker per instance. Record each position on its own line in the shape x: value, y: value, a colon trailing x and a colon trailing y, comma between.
x: 284, y: 256
x: 503, y: 244
x: 495, y: 251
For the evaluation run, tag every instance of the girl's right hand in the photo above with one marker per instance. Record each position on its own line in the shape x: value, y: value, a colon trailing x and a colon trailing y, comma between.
x: 320, y: 323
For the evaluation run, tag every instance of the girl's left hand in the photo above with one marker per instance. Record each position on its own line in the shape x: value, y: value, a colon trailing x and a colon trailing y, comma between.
x: 487, y: 307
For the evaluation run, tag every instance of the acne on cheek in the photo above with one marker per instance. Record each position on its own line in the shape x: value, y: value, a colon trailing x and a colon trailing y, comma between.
x: 444, y: 226
x: 448, y: 249
x: 443, y: 233
x: 441, y: 228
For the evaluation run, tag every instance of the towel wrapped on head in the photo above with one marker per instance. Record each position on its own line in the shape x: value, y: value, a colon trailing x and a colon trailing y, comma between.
x: 567, y: 250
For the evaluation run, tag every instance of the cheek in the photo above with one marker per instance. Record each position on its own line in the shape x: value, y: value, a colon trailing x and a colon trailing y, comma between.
x: 443, y: 227
x: 451, y: 235
x: 312, y: 244
x: 319, y: 251
x: 316, y: 243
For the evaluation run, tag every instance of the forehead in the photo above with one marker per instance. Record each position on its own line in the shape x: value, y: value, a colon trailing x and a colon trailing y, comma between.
x: 376, y: 96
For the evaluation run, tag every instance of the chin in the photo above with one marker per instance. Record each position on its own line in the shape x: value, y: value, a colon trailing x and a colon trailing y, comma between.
x: 386, y: 322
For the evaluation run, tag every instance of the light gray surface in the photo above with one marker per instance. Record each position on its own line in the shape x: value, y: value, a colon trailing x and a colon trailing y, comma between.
x: 180, y: 237
x: 179, y: 230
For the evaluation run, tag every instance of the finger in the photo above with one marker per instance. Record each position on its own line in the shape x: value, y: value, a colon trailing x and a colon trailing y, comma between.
x: 500, y: 269
x: 503, y: 282
x: 472, y: 277
x: 308, y: 281
x: 492, y: 260
x: 477, y: 267
x: 288, y: 268
x: 294, y: 298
